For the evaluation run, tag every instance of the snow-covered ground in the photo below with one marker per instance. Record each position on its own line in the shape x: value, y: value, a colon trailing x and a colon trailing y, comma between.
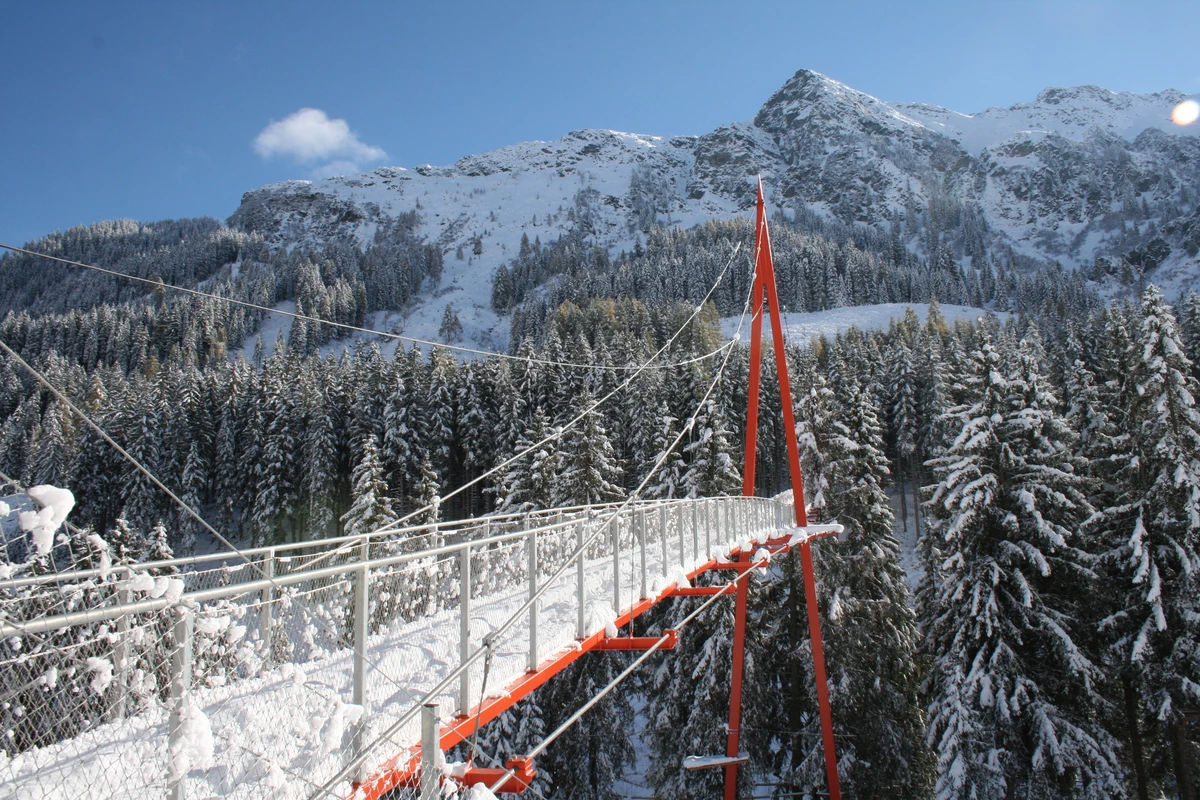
x: 907, y: 534
x: 278, y: 734
x: 801, y: 327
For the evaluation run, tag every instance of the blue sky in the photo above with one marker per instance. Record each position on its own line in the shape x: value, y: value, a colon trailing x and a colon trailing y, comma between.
x: 156, y: 110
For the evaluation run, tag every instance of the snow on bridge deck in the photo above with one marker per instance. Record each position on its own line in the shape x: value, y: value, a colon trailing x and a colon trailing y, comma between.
x: 249, y: 727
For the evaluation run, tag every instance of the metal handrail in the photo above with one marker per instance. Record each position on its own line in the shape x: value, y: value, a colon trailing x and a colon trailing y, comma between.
x: 347, y: 543
x: 97, y: 615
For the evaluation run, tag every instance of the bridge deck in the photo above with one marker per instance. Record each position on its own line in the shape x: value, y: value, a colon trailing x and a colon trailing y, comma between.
x: 289, y: 728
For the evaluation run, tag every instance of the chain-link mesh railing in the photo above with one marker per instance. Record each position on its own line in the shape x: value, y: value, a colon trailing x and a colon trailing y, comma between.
x: 205, y: 676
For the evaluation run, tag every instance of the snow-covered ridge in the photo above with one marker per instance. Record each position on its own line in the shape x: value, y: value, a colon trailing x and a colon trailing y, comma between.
x: 1074, y: 113
x: 1054, y: 179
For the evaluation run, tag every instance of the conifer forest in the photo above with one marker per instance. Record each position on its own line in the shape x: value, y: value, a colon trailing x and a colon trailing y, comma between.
x: 1014, y: 613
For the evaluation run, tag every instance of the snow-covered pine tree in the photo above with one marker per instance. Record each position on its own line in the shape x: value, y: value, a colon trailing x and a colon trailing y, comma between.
x: 1013, y: 697
x: 712, y: 470
x: 668, y: 480
x: 528, y: 484
x: 370, y: 507
x: 1152, y: 532
x: 427, y: 495
x: 871, y: 636
x: 588, y: 469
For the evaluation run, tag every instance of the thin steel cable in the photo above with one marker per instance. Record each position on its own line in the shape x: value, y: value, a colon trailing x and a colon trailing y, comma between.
x: 559, y: 433
x: 387, y: 335
x: 388, y: 735
x: 533, y: 753
x: 337, y: 636
x: 327, y: 787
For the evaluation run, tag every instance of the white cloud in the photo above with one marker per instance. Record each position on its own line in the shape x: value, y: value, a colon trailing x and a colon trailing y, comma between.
x: 310, y: 136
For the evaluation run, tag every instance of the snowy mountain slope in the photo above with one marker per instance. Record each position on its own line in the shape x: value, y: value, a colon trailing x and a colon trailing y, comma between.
x: 1077, y: 173
x: 1073, y: 113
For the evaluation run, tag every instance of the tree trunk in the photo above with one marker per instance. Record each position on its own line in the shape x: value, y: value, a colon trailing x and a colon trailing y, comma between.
x: 903, y: 494
x: 1179, y: 754
x: 1133, y: 728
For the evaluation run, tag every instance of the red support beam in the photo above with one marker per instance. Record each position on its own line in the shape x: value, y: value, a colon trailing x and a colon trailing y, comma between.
x: 764, y: 281
x: 639, y: 642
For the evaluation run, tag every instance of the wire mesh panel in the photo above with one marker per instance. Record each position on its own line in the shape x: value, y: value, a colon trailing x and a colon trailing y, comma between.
x: 207, y: 677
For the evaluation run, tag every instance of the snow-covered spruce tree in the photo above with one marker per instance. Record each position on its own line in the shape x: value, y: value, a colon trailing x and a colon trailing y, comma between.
x: 370, y: 507
x: 126, y: 543
x: 193, y: 487
x: 1152, y: 533
x: 1012, y: 695
x: 143, y: 505
x: 825, y: 446
x: 588, y: 468
x: 399, y: 457
x: 427, y: 495
x: 668, y: 481
x: 592, y: 754
x: 905, y: 421
x: 1189, y: 329
x: 51, y: 456
x: 528, y: 483
x: 872, y: 637
x: 687, y: 706
x: 712, y: 470
x: 275, y: 470
x: 439, y: 403
x: 320, y: 455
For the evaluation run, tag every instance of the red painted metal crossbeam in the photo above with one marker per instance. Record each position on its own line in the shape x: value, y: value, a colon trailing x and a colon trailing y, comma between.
x: 404, y: 769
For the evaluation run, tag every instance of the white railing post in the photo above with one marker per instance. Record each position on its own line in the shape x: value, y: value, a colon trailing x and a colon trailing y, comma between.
x: 181, y: 681
x: 708, y: 526
x: 640, y: 522
x: 614, y: 525
x: 679, y: 527
x: 431, y: 772
x: 532, y: 663
x: 662, y: 535
x: 267, y: 602
x: 362, y: 611
x: 580, y: 589
x: 464, y: 628
x: 695, y: 530
x: 121, y: 651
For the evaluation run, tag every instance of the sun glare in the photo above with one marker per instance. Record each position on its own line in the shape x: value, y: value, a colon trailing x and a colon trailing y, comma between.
x: 1186, y: 112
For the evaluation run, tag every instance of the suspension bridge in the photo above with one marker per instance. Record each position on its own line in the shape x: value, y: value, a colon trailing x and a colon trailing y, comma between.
x: 347, y: 667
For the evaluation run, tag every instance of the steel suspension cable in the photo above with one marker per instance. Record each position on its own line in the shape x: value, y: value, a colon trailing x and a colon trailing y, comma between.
x: 159, y: 284
x: 387, y: 734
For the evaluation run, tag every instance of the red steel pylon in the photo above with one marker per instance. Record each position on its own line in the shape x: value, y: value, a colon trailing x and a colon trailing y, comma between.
x: 764, y: 281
